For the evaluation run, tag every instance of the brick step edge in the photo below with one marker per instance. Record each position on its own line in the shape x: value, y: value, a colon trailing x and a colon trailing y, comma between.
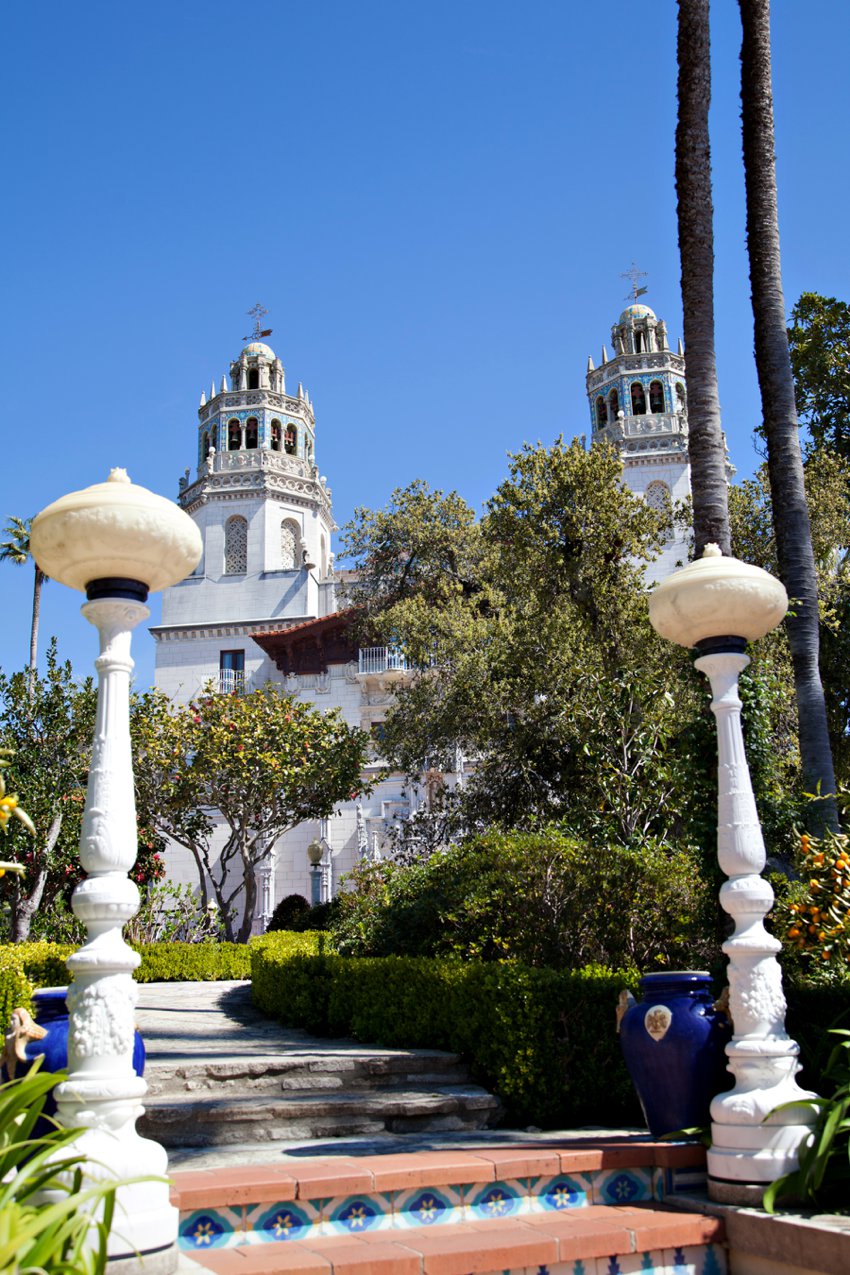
x: 487, y: 1247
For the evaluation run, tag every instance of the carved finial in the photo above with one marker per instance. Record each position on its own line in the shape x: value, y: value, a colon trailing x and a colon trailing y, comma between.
x: 203, y: 401
x: 118, y: 476
x: 589, y: 363
x: 223, y: 389
x: 712, y: 551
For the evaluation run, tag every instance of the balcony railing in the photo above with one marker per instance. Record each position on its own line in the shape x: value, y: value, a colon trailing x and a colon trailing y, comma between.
x: 380, y: 659
x: 231, y: 681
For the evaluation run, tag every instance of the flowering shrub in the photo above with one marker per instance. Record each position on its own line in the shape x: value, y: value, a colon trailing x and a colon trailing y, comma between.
x: 815, y: 915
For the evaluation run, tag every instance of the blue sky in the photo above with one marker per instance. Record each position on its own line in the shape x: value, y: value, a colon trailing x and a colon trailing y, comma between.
x: 434, y: 201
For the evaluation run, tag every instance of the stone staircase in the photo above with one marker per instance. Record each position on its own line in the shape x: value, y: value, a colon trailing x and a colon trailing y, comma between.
x: 313, y: 1095
x: 533, y: 1208
x: 219, y: 1073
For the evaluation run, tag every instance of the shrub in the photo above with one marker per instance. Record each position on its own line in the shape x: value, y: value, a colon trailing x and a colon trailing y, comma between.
x: 542, y: 898
x: 26, y: 966
x: 813, y: 916
x: 543, y: 1039
x: 290, y: 914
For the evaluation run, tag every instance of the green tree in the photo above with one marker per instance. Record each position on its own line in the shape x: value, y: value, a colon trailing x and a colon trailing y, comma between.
x: 47, y: 723
x: 250, y: 765
x: 827, y: 481
x: 819, y: 339
x: 530, y: 631
x: 792, y: 531
x: 706, y: 447
x: 17, y: 549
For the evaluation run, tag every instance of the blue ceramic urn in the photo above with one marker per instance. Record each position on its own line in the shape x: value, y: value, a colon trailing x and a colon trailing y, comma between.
x: 674, y: 1043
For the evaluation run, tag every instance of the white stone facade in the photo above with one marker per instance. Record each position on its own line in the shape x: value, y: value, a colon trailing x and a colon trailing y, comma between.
x: 265, y: 518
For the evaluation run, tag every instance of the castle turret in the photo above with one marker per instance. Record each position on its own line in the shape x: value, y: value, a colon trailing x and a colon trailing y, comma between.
x: 638, y: 402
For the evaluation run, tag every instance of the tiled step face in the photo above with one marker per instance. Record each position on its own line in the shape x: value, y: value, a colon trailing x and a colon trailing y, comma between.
x: 601, y: 1241
x: 424, y: 1192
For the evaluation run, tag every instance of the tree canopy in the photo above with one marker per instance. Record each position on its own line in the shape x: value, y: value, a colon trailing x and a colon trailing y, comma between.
x: 245, y: 768
x: 819, y: 337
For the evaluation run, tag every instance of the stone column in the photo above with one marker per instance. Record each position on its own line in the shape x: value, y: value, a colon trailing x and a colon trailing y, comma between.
x: 102, y: 1093
x: 718, y: 604
x: 749, y: 1144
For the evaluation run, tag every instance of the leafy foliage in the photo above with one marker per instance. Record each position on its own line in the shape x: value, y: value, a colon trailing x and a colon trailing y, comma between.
x: 542, y: 1039
x: 257, y: 764
x: 54, y: 1218
x: 814, y: 915
x: 171, y: 913
x: 47, y: 724
x: 535, y: 654
x: 819, y: 339
x: 541, y: 898
x: 824, y: 1160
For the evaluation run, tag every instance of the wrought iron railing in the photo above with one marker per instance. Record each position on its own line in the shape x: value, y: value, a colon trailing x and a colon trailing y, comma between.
x: 380, y: 659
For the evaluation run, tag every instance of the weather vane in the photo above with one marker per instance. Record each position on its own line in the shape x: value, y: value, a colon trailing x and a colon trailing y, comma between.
x: 633, y: 274
x: 257, y: 313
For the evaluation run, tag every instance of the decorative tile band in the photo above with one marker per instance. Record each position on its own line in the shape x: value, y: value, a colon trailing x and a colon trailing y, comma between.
x: 433, y: 1206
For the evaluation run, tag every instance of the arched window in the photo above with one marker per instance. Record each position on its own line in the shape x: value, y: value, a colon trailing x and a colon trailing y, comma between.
x: 657, y: 495
x: 613, y: 405
x: 251, y: 432
x: 276, y: 436
x: 235, y: 546
x: 640, y: 343
x: 601, y: 412
x: 680, y: 396
x: 253, y: 378
x: 234, y: 436
x: 656, y: 397
x: 290, y: 440
x: 323, y: 557
x: 290, y: 538
x: 205, y: 445
x: 638, y: 399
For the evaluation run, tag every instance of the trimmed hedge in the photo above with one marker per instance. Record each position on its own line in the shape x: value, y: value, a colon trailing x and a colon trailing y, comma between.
x: 544, y: 1040
x: 27, y: 966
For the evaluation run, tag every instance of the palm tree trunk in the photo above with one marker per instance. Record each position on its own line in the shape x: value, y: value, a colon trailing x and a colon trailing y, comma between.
x: 694, y: 209
x: 36, y: 612
x: 791, y: 527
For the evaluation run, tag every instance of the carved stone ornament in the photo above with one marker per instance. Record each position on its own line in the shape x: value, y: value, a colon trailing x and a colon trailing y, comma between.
x: 100, y: 1022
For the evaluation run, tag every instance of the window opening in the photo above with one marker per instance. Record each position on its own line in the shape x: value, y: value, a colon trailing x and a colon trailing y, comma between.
x: 276, y: 436
x: 613, y: 405
x: 656, y: 397
x: 253, y: 378
x: 680, y: 396
x: 290, y: 440
x: 601, y: 412
x: 290, y: 536
x: 638, y: 399
x: 234, y: 436
x: 235, y: 546
x: 251, y: 432
x: 231, y: 672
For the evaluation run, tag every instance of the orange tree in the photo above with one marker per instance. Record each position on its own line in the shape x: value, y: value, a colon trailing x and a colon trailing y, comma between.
x: 815, y: 916
x: 226, y: 775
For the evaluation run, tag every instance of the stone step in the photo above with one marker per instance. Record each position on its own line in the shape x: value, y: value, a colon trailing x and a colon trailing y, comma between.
x: 306, y: 1072
x: 202, y: 1121
x: 588, y: 1207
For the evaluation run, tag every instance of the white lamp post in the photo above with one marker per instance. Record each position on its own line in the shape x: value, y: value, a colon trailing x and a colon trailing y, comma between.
x: 718, y: 604
x: 115, y: 541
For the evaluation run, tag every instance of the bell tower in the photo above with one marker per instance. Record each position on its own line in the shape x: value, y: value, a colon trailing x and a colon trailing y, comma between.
x: 638, y: 402
x: 265, y: 518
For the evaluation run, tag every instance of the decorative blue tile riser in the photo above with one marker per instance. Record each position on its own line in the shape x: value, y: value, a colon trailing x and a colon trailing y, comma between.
x: 710, y: 1260
x: 420, y: 1206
